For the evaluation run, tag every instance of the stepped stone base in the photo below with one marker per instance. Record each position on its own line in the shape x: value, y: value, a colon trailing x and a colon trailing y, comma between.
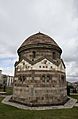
x: 69, y: 104
x: 37, y: 104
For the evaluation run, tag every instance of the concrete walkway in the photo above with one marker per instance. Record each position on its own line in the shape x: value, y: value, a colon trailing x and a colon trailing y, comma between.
x: 69, y: 104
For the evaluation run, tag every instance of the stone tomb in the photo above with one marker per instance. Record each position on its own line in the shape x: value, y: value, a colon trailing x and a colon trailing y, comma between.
x: 40, y: 77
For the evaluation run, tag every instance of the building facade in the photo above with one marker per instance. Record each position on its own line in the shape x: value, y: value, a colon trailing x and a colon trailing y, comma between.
x: 40, y: 77
x: 6, y: 79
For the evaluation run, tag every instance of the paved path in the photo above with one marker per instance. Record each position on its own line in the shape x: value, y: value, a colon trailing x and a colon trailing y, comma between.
x: 70, y: 103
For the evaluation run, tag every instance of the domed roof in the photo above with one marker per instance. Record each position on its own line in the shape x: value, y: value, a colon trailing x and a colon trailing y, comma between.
x: 39, y: 38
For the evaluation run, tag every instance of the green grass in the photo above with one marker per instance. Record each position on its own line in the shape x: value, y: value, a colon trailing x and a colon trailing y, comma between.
x: 9, y: 112
x: 9, y: 90
x: 74, y: 96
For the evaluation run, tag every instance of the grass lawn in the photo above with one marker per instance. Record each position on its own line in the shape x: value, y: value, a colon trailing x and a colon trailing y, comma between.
x: 9, y: 90
x: 9, y: 112
x: 74, y: 96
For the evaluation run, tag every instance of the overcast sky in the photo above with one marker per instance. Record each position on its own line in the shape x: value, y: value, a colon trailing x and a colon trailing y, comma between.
x: 21, y: 18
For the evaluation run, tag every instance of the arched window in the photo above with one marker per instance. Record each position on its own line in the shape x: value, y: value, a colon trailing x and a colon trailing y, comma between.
x: 63, y: 78
x: 54, y: 55
x: 34, y: 54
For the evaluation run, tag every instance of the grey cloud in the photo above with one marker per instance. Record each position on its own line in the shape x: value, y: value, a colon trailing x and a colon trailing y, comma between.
x: 75, y: 4
x: 59, y: 19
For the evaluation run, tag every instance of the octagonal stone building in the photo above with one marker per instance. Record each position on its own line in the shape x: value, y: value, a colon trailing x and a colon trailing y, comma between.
x: 40, y: 77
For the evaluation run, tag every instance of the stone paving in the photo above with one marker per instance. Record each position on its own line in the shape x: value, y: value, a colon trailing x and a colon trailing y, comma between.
x: 70, y: 104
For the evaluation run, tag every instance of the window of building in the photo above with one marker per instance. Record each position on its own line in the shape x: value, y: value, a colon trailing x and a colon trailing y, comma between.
x: 48, y: 78
x: 24, y: 78
x: 54, y: 55
x: 39, y: 66
x: 51, y: 67
x: 46, y: 66
x: 43, y: 78
x: 34, y: 54
x: 63, y: 78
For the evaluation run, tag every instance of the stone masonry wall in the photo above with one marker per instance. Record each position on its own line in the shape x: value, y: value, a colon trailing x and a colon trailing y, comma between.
x: 41, y: 90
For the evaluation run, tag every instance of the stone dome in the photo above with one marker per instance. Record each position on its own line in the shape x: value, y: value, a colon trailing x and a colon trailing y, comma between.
x: 37, y: 40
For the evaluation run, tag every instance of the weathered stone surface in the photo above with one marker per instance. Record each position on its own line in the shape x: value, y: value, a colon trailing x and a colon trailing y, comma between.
x: 40, y: 77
